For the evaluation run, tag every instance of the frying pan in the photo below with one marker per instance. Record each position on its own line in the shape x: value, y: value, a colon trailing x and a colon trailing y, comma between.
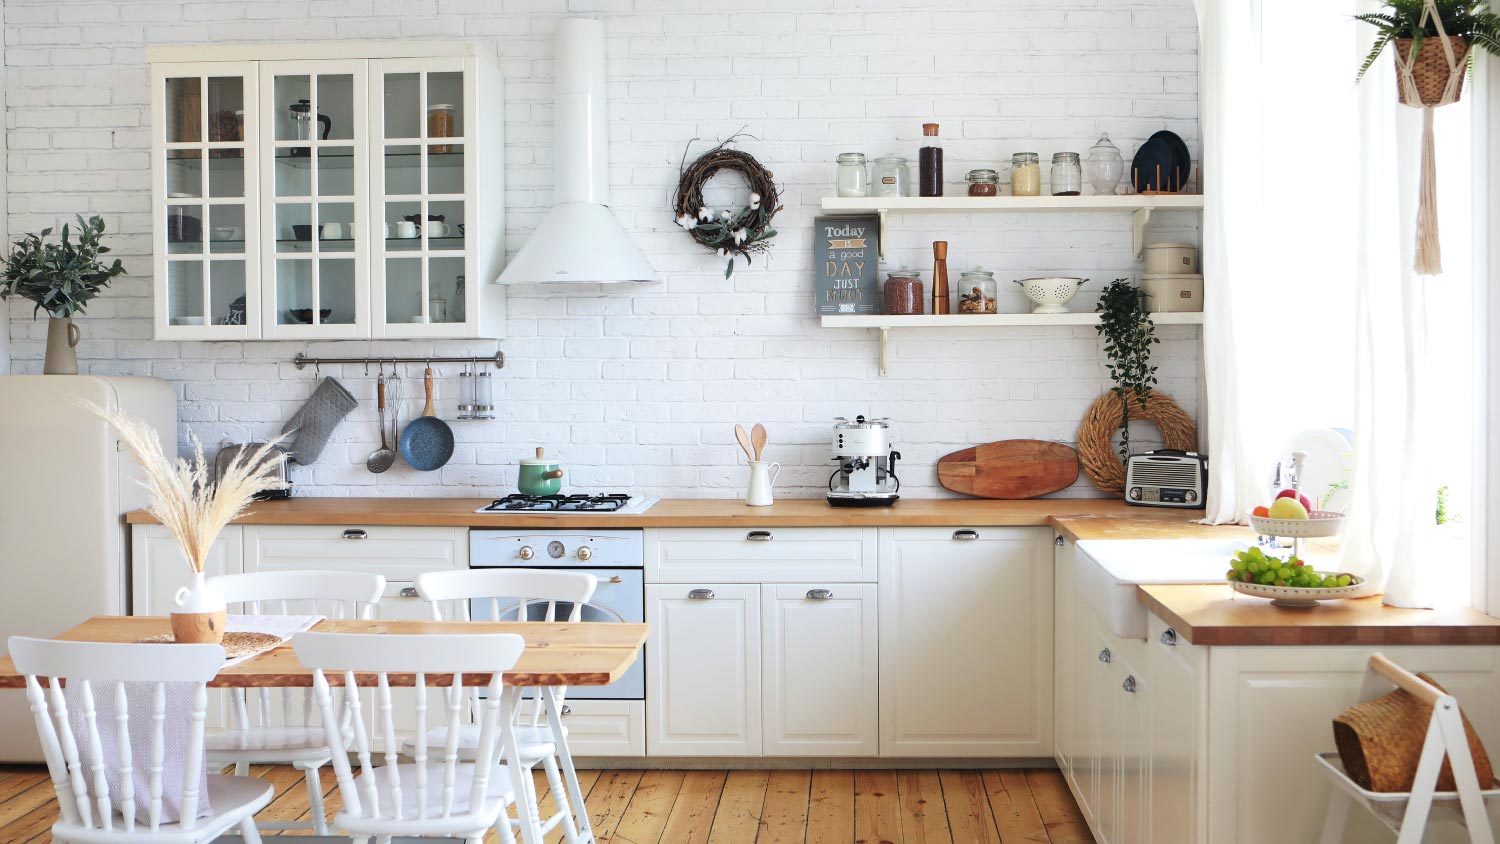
x: 427, y: 442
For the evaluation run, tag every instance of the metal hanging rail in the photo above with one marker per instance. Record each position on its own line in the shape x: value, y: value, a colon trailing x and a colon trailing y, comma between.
x: 302, y: 360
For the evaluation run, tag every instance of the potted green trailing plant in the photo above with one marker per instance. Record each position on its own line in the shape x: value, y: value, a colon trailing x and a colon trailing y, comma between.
x: 1128, y: 334
x: 1434, y: 42
x: 61, y: 278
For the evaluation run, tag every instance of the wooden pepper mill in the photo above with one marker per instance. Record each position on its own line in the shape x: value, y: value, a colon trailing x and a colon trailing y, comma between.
x: 940, y: 277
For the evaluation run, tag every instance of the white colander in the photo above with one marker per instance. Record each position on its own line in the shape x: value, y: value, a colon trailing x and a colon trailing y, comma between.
x: 1050, y: 293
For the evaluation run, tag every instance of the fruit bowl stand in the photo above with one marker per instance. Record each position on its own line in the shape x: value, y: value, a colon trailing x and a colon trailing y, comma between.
x: 1319, y: 524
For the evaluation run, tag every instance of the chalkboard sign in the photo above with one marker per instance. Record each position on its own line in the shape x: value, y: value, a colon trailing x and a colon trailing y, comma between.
x: 846, y: 259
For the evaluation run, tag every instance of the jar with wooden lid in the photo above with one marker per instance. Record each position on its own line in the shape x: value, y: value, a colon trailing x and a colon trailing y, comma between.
x: 902, y: 294
x: 983, y: 182
x: 977, y: 291
x: 441, y: 124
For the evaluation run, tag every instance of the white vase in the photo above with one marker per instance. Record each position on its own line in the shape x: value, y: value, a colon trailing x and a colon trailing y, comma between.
x: 199, y: 615
x: 762, y: 477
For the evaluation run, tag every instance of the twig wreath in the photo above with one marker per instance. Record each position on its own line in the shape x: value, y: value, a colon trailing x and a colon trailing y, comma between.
x: 729, y: 233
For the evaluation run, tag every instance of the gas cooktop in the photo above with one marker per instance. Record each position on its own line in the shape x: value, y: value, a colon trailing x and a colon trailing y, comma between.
x: 580, y: 503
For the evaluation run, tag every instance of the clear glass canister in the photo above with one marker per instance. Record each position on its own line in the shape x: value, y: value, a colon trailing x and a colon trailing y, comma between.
x: 902, y: 293
x: 1067, y: 174
x: 888, y: 177
x: 852, y: 177
x: 1025, y: 174
x: 977, y: 291
x: 1105, y: 166
x: 441, y: 124
x: 983, y: 182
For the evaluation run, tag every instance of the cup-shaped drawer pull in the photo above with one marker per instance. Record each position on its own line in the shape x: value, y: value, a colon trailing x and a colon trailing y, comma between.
x: 966, y: 535
x: 1106, y: 656
x: 819, y: 594
x: 408, y: 592
x: 356, y: 533
x: 566, y: 710
x: 759, y: 536
x: 1169, y: 636
x: 701, y: 594
x: 1129, y: 684
x: 617, y: 579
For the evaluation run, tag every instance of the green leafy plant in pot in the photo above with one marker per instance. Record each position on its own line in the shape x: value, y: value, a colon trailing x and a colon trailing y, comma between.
x: 61, y: 278
x: 1128, y: 333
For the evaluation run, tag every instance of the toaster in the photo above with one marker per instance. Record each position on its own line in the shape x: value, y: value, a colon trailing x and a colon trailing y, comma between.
x: 280, y: 463
x: 1167, y: 477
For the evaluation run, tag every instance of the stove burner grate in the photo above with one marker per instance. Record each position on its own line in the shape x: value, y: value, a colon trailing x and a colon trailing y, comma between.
x: 567, y: 503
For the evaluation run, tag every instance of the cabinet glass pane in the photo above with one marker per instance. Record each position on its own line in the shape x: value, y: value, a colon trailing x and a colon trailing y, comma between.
x: 445, y: 170
x: 444, y: 295
x: 226, y: 113
x: 443, y: 225
x: 335, y: 101
x: 336, y: 171
x: 226, y: 231
x: 226, y: 291
x: 184, y: 229
x: 185, y: 292
x: 445, y: 106
x: 406, y: 231
x: 184, y: 173
x: 403, y: 170
x: 294, y: 291
x: 401, y: 103
x: 226, y: 176
x: 336, y: 289
x: 336, y: 227
x: 184, y: 111
x: 293, y: 172
x: 403, y: 290
x: 293, y: 227
x: 291, y: 100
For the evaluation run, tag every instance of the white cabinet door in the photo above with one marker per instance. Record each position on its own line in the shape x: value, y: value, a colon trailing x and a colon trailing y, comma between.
x: 1102, y: 781
x: 1128, y: 701
x: 1175, y: 703
x: 1065, y: 668
x: 704, y: 677
x: 820, y: 670
x: 753, y: 554
x: 398, y: 553
x: 158, y: 568
x: 965, y: 642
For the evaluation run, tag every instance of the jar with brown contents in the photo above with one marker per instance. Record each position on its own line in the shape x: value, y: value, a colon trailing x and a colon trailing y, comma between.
x: 983, y: 182
x: 440, y: 124
x: 977, y: 292
x: 902, y: 293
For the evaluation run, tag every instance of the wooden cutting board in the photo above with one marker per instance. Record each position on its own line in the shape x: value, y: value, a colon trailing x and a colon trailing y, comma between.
x: 1009, y: 469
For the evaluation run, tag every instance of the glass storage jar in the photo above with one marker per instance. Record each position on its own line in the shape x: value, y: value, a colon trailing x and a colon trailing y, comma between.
x: 1025, y: 174
x: 852, y: 178
x: 1105, y: 166
x: 888, y: 176
x: 983, y: 182
x: 977, y: 291
x: 902, y: 294
x: 1067, y: 174
x: 440, y: 124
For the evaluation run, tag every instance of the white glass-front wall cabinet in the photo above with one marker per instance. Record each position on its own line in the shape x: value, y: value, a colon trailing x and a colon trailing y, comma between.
x: 354, y: 191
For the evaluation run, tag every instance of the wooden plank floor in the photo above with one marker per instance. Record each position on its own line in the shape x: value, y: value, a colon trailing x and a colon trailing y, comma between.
x: 717, y: 807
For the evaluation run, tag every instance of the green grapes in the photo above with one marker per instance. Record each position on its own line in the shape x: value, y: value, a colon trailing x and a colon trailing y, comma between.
x: 1253, y: 565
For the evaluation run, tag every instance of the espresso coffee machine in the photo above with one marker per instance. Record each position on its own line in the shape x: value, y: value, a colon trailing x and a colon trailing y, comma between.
x: 866, y: 476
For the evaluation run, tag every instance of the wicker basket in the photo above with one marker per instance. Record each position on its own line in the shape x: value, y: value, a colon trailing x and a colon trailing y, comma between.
x: 1380, y: 742
x: 1431, y: 69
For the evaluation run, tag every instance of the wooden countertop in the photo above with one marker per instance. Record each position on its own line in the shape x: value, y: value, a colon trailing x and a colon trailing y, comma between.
x: 1079, y: 518
x: 1216, y: 615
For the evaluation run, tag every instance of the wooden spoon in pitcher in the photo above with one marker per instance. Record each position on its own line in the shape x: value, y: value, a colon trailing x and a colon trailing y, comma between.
x: 758, y: 439
x: 744, y: 438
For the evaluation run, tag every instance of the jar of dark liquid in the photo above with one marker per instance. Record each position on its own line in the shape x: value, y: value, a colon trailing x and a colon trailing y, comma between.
x: 930, y: 163
x: 902, y: 293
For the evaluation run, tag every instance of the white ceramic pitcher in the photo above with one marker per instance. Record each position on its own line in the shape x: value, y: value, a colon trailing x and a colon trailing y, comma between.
x: 762, y: 476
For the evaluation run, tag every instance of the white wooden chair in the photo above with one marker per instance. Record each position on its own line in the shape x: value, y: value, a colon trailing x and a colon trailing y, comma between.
x: 87, y: 812
x: 431, y: 795
x: 287, y: 731
x: 511, y: 595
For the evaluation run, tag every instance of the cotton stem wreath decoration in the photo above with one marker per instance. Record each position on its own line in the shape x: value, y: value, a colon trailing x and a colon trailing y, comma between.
x: 730, y: 233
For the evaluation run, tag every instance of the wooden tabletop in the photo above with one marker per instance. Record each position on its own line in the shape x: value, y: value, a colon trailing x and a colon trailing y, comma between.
x: 555, y: 655
x: 1217, y: 615
x: 1079, y: 518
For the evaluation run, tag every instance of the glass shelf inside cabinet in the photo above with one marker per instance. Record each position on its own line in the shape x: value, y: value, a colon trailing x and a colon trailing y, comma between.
x: 284, y: 158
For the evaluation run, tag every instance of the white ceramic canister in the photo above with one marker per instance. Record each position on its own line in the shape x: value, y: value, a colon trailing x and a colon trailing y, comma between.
x: 763, y: 475
x: 1173, y: 292
x: 1169, y: 258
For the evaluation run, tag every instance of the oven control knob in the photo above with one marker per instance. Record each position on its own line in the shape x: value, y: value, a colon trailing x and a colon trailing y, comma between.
x: 526, y: 552
x: 585, y: 553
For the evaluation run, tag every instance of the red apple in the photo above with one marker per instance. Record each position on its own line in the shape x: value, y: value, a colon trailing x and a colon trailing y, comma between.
x: 1301, y: 499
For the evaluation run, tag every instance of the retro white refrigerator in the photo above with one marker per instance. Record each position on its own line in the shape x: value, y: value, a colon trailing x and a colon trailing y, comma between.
x: 65, y: 483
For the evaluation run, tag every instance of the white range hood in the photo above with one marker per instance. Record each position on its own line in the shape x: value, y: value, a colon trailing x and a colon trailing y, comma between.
x: 579, y: 241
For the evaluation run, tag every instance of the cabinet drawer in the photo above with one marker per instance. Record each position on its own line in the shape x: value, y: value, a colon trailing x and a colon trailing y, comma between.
x: 761, y: 555
x: 399, y: 553
x: 606, y: 727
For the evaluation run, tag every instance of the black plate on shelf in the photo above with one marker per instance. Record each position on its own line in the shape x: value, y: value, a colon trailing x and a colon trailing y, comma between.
x: 1181, y: 153
x: 1156, y: 168
x: 303, y: 316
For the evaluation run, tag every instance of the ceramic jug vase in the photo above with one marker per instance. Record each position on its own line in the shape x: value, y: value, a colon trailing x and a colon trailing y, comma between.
x: 762, y: 476
x: 62, y: 347
x: 199, y: 615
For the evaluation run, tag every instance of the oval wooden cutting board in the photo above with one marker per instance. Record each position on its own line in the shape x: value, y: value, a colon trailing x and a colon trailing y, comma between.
x: 1009, y: 469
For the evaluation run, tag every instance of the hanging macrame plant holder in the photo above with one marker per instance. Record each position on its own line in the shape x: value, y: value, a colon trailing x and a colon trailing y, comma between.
x: 1434, y: 77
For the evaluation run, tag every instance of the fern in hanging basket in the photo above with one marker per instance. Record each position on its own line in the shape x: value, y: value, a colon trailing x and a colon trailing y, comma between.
x: 1410, y: 23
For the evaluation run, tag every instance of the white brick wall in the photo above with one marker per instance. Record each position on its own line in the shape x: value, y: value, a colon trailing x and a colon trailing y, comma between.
x: 639, y: 387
